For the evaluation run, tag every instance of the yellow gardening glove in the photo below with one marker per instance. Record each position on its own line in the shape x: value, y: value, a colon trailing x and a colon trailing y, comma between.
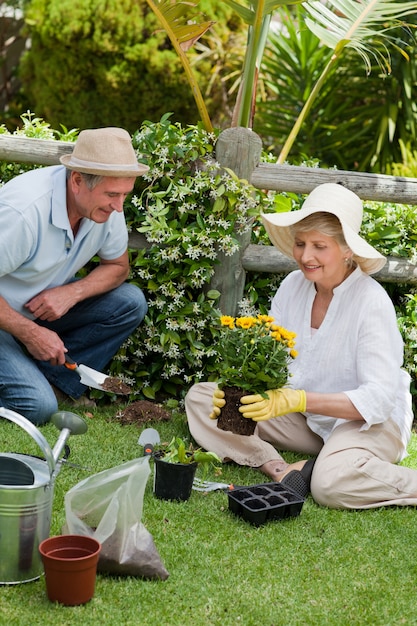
x: 279, y: 402
x: 218, y: 403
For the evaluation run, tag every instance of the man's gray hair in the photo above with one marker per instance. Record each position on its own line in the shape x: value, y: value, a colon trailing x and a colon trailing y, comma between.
x: 91, y: 180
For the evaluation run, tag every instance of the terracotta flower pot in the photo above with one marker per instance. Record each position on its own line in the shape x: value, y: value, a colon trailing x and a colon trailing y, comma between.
x: 230, y: 418
x: 173, y: 481
x: 70, y: 564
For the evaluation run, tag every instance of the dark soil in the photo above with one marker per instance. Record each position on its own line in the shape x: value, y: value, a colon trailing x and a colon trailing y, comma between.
x: 137, y: 557
x: 143, y: 411
x: 115, y: 385
x: 230, y: 419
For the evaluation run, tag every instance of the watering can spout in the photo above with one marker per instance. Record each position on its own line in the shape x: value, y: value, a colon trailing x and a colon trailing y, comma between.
x: 31, y: 430
x: 69, y: 424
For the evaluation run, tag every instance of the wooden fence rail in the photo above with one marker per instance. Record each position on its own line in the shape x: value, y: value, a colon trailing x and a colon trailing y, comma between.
x: 240, y: 149
x: 367, y: 186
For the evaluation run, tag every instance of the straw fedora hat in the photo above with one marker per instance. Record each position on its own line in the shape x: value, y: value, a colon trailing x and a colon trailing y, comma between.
x: 104, y: 152
x: 328, y: 198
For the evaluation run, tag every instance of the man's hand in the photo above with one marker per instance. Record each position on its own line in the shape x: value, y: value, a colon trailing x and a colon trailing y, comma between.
x: 218, y: 403
x: 45, y: 345
x: 278, y: 402
x: 51, y: 304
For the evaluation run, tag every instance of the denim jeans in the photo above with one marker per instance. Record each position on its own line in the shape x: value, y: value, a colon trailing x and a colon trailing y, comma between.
x: 92, y: 331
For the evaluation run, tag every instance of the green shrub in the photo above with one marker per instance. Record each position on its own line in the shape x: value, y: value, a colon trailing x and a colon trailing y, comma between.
x: 108, y: 64
x: 187, y: 209
x: 408, y: 166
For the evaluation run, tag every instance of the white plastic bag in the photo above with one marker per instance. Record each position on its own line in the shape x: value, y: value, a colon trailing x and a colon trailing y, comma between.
x: 108, y: 506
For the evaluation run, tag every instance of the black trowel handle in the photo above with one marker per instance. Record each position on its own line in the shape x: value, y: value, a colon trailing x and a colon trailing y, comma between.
x: 69, y: 363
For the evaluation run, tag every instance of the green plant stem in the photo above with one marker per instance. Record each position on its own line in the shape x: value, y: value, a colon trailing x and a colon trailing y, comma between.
x: 306, y: 108
x: 202, y: 109
x: 257, y: 37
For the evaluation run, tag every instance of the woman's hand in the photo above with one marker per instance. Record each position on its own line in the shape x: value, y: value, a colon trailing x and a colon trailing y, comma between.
x: 218, y: 403
x: 278, y: 402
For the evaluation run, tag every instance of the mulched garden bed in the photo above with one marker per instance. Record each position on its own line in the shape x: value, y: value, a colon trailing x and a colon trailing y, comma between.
x: 141, y: 412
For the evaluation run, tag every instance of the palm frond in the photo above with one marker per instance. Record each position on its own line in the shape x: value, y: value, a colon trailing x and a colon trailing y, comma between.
x: 351, y: 24
x: 347, y: 23
x: 174, y: 17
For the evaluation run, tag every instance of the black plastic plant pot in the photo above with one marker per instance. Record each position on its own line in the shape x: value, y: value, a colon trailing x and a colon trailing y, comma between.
x: 173, y: 481
x: 263, y: 503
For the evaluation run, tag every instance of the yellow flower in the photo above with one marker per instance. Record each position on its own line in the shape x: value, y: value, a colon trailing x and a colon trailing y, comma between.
x: 245, y: 322
x: 265, y: 319
x: 293, y: 353
x: 227, y: 320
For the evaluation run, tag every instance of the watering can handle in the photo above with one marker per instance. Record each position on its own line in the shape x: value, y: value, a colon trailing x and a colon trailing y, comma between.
x: 33, y: 432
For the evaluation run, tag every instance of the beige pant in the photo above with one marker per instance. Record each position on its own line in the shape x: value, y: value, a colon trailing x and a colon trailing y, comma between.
x: 354, y: 469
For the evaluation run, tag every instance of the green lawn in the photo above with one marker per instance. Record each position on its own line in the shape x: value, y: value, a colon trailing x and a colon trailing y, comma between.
x: 323, y: 567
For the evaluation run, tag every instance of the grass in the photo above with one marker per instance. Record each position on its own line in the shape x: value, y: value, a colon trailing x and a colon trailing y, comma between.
x: 324, y: 567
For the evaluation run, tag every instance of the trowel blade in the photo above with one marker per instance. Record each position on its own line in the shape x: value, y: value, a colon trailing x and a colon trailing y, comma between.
x: 90, y: 377
x: 148, y: 439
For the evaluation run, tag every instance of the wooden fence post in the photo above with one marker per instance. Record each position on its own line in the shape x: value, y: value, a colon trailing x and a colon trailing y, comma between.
x: 239, y: 149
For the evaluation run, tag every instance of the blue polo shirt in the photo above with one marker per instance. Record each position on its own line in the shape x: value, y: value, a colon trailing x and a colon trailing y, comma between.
x: 37, y: 245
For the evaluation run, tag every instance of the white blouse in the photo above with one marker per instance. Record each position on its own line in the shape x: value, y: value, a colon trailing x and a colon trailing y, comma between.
x: 358, y: 350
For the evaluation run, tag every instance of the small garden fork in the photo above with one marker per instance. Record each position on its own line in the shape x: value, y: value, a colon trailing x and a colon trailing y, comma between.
x: 205, y: 485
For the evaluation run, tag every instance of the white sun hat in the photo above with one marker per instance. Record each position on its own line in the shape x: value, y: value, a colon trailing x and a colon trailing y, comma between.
x: 328, y: 198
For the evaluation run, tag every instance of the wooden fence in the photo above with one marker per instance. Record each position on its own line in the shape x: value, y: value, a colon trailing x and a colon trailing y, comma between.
x: 240, y: 149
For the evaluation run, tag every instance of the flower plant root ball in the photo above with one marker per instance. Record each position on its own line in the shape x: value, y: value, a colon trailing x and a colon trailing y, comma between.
x: 230, y: 418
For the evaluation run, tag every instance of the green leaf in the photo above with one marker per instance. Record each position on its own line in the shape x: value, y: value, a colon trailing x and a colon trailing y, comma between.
x: 181, y: 452
x: 148, y: 392
x: 213, y: 294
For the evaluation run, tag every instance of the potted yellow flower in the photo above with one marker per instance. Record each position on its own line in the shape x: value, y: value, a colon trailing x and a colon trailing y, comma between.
x: 254, y: 354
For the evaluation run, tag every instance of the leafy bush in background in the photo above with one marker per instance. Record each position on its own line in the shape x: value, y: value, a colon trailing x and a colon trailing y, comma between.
x: 107, y: 63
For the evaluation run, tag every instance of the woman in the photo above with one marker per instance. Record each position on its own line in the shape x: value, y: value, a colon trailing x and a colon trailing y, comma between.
x: 349, y: 403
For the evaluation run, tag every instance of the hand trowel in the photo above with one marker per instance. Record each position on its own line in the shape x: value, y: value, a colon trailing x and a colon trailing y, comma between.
x: 97, y: 380
x: 148, y: 439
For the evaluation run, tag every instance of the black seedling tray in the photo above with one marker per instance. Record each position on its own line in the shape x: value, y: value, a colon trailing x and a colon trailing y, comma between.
x: 259, y: 504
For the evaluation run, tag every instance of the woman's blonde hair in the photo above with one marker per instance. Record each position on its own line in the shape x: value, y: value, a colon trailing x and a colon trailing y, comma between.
x: 325, y: 223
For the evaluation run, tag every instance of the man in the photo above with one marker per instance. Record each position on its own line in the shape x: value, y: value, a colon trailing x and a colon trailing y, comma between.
x: 53, y: 221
